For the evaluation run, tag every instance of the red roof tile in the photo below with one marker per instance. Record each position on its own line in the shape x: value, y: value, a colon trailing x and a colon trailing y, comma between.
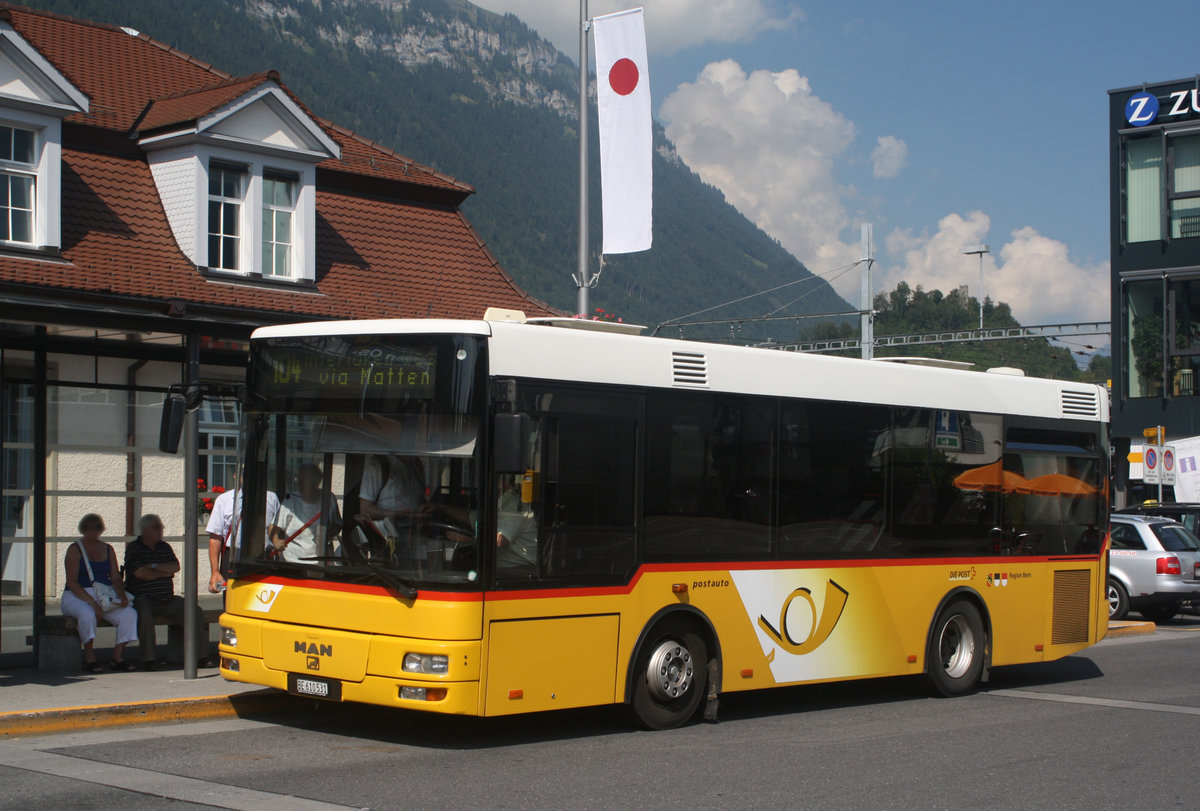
x: 194, y: 104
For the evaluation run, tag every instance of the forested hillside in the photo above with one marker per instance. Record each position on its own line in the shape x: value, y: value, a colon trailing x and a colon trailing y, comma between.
x: 481, y: 97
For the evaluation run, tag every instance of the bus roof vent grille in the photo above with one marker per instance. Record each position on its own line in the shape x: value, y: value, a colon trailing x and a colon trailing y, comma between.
x: 1080, y: 403
x: 690, y: 369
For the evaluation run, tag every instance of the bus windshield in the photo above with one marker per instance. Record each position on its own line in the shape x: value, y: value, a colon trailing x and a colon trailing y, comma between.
x: 364, y: 454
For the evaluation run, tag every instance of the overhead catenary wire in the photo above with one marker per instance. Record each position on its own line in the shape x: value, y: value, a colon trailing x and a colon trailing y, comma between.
x: 814, y: 277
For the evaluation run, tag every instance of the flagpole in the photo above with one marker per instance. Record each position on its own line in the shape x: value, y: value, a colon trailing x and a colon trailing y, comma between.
x: 581, y: 279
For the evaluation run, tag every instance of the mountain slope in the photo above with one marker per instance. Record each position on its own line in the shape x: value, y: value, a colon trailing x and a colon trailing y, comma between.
x: 483, y: 98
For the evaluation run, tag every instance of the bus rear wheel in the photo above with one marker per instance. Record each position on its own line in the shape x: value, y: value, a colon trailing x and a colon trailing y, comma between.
x: 957, y: 645
x: 670, y: 676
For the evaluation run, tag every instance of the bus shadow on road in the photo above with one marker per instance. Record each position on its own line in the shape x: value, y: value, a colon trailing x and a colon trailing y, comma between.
x: 434, y: 731
x: 893, y: 690
x: 1041, y: 674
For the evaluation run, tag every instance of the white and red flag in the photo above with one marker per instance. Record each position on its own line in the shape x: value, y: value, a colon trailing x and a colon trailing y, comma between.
x: 626, y: 138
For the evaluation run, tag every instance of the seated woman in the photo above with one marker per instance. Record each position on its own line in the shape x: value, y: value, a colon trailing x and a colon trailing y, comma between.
x: 79, y: 599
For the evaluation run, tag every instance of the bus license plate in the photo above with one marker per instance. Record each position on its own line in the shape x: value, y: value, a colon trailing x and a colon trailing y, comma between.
x: 314, y: 687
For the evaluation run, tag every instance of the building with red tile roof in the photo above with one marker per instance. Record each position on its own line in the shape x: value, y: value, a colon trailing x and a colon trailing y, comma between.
x: 154, y: 210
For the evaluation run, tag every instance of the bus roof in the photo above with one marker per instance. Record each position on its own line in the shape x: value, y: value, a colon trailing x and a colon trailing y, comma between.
x: 548, y: 352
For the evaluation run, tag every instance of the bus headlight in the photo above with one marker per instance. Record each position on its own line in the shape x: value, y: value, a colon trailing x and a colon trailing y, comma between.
x: 228, y: 637
x: 426, y: 663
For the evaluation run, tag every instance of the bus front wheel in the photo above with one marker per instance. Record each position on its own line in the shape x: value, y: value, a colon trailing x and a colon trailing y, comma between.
x: 956, y: 649
x: 670, y: 675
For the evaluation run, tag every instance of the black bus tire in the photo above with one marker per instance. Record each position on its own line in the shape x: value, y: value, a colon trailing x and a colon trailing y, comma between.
x: 957, y: 647
x: 670, y: 675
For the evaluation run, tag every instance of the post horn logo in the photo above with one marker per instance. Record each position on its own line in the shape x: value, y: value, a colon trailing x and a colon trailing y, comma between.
x: 822, y: 627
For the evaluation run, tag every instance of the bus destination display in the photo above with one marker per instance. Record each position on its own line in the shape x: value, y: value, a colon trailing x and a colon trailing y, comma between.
x: 349, y: 370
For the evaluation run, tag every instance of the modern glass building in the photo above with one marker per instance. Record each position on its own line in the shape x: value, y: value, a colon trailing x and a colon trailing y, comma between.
x: 1155, y: 227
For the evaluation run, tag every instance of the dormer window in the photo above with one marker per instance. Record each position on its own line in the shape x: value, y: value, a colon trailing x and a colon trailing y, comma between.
x: 18, y: 178
x: 235, y: 166
x: 252, y: 224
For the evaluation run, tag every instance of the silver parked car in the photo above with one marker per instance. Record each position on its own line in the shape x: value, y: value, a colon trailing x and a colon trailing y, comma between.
x: 1153, y: 567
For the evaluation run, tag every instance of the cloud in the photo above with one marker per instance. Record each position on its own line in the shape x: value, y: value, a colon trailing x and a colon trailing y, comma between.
x: 774, y: 148
x: 671, y: 25
x: 771, y: 146
x: 889, y: 157
x: 1033, y: 273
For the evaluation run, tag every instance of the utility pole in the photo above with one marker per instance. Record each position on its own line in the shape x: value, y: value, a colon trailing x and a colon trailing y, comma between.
x: 980, y: 250
x: 868, y: 317
x: 581, y: 279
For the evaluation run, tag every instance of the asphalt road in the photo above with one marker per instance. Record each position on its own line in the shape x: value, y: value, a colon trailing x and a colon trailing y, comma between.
x: 1112, y: 727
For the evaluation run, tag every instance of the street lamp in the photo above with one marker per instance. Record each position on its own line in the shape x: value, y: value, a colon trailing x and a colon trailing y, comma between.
x: 981, y: 250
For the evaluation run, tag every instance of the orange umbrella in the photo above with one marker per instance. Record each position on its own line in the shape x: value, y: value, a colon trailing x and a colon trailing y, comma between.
x: 1060, y: 484
x: 992, y: 478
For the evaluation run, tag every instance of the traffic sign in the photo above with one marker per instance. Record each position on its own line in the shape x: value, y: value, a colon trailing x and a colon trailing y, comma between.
x: 1134, y: 457
x: 1150, y: 465
x: 1166, y: 473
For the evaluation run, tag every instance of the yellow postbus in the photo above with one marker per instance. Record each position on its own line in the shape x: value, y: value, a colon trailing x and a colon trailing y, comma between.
x: 500, y: 516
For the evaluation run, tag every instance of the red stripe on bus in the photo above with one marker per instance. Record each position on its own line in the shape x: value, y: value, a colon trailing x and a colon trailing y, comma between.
x: 652, y: 568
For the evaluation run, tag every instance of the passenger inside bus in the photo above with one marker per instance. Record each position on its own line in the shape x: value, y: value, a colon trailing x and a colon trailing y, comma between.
x: 305, y: 518
x: 516, y: 528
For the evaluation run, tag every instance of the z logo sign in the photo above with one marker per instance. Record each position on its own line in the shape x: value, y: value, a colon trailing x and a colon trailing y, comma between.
x: 823, y: 624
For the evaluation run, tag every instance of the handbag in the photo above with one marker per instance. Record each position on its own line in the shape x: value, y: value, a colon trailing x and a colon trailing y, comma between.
x: 106, y: 596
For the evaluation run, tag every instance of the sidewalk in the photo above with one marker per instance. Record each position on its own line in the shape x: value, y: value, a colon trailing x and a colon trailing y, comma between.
x: 1130, y: 628
x: 38, y: 703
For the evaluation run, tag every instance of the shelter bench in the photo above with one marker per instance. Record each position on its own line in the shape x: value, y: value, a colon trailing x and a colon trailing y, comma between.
x: 58, y: 640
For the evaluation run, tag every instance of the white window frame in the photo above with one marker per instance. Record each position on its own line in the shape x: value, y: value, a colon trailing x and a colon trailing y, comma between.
x: 271, y: 242
x: 219, y: 424
x: 225, y: 202
x: 303, y: 248
x: 46, y: 175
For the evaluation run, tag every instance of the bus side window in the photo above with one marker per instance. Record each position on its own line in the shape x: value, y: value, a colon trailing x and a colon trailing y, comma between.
x: 709, y: 476
x: 571, y: 516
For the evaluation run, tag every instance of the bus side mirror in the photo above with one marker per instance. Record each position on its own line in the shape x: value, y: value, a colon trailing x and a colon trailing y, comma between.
x: 511, y: 432
x: 171, y: 426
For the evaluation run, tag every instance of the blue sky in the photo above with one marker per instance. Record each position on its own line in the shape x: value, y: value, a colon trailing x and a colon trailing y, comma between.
x: 993, y: 120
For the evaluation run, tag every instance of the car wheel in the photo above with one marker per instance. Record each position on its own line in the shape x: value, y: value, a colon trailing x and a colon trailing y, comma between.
x: 1160, y: 613
x: 670, y: 676
x: 955, y: 657
x: 1118, y: 601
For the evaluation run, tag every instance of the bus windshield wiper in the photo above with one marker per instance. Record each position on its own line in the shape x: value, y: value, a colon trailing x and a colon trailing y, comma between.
x: 406, y: 589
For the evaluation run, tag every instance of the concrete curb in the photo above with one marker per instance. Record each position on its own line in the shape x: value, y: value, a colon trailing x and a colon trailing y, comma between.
x: 63, y: 719
x: 1130, y: 628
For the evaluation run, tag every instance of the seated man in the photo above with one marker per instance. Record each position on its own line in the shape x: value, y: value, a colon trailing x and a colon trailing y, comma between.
x: 150, y: 567
x: 516, y: 528
x: 303, y: 520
